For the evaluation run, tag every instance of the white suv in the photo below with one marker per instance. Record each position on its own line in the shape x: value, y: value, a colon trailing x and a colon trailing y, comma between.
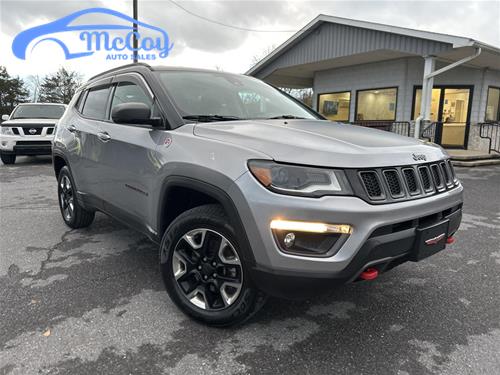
x: 29, y: 130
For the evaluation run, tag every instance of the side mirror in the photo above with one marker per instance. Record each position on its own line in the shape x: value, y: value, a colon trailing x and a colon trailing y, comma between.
x: 131, y: 113
x: 5, y: 117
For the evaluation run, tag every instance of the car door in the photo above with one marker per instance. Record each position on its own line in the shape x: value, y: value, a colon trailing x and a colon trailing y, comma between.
x: 87, y: 149
x: 130, y: 159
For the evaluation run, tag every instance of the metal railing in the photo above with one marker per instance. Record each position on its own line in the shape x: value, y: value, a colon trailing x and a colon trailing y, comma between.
x: 398, y: 127
x: 491, y: 131
x: 433, y: 132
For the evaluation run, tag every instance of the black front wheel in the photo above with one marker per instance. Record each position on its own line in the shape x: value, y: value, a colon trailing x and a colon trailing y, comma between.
x: 74, y: 215
x: 203, y: 270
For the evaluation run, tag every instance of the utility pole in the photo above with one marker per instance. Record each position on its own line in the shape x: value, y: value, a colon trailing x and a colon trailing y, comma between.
x: 135, y: 27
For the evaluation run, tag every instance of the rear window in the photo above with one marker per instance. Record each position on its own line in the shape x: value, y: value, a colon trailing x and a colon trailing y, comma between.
x: 95, y: 103
x: 38, y: 111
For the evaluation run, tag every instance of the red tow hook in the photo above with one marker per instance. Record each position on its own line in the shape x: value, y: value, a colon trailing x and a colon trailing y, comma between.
x: 369, y: 274
x: 450, y: 240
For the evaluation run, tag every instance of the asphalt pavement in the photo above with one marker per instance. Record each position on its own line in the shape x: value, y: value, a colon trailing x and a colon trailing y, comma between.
x: 92, y: 302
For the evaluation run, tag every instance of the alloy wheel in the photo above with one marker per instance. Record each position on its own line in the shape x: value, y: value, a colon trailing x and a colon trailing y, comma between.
x: 207, y: 269
x: 66, y: 198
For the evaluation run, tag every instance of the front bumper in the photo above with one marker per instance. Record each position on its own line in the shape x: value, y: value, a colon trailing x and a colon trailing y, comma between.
x: 26, y: 145
x: 367, y: 244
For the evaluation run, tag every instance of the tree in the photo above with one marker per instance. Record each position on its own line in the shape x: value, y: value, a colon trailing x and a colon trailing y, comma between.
x: 263, y: 54
x: 12, y: 91
x: 60, y: 86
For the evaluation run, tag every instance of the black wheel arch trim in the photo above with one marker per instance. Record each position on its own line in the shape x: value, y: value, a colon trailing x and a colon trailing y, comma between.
x: 217, y: 193
x: 55, y: 155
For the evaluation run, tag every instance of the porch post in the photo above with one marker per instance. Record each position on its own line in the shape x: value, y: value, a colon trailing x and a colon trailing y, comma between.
x: 427, y: 85
x: 426, y: 97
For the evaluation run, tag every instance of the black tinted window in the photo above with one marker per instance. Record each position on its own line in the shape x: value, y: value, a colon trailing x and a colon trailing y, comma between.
x: 128, y: 92
x: 95, y: 104
x: 79, y: 101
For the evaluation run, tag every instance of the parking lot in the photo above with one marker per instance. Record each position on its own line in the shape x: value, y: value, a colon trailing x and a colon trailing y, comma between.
x: 92, y: 301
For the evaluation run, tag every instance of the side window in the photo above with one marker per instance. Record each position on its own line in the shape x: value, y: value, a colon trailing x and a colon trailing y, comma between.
x: 95, y: 104
x: 79, y: 102
x: 127, y: 92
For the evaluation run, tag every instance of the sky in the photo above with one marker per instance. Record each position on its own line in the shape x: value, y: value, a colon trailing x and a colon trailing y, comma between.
x: 200, y: 43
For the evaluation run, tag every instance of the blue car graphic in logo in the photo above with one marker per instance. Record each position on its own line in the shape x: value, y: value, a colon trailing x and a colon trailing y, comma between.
x: 95, y: 36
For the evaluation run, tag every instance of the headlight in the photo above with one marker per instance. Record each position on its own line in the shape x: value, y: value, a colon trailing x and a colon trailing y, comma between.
x: 297, y: 180
x: 5, y: 130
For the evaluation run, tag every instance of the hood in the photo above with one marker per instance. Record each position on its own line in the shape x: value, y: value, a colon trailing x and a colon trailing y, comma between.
x: 322, y: 143
x: 31, y: 121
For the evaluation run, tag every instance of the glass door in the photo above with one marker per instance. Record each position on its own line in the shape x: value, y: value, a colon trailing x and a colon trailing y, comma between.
x: 450, y: 106
x: 455, y: 115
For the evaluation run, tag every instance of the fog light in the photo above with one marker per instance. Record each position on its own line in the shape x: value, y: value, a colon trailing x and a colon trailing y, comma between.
x: 289, y: 240
x: 312, y: 227
x: 309, y: 238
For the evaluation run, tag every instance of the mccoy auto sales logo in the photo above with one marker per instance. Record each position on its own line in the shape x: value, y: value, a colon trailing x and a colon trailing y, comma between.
x: 96, y: 37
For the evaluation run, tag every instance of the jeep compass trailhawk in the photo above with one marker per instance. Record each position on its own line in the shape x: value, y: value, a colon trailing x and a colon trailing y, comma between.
x: 248, y: 192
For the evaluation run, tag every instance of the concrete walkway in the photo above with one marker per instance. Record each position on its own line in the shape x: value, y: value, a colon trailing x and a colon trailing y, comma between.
x: 473, y: 158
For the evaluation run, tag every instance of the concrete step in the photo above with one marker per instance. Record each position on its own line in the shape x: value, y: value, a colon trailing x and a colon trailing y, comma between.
x: 466, y: 155
x: 475, y: 163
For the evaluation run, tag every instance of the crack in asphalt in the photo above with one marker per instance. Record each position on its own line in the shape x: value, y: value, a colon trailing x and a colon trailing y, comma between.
x: 51, y: 250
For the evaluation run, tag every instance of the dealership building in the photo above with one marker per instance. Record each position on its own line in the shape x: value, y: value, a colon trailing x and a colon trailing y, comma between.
x: 368, y: 73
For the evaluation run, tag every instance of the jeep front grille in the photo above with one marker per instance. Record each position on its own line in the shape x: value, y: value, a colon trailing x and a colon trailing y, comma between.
x: 436, y: 175
x: 446, y: 174
x: 411, y: 180
x: 452, y: 171
x: 372, y: 184
x: 394, y: 184
x: 426, y: 178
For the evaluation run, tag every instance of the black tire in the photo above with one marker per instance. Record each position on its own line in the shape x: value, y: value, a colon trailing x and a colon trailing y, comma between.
x: 8, y: 158
x: 211, y: 219
x: 77, y: 217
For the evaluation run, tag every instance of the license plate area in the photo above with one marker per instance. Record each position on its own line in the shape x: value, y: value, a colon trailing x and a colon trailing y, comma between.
x: 430, y: 240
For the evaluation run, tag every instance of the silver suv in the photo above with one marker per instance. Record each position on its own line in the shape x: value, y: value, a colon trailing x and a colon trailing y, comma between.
x: 248, y: 192
x: 29, y: 130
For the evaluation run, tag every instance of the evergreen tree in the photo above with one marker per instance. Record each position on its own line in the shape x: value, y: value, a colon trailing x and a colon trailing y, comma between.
x: 12, y: 91
x: 59, y: 87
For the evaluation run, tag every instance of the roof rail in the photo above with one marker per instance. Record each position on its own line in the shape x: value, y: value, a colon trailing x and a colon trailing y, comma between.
x: 119, y: 68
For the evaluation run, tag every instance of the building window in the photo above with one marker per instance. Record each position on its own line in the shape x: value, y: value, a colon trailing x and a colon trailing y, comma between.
x: 335, y: 106
x: 493, y: 104
x: 376, y: 104
x: 435, y: 98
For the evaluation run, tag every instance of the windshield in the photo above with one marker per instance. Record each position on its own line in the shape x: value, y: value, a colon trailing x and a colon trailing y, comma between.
x: 38, y: 111
x: 213, y: 96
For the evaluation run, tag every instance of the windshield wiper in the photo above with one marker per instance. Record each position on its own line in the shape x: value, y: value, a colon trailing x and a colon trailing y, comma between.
x: 209, y: 118
x: 286, y: 117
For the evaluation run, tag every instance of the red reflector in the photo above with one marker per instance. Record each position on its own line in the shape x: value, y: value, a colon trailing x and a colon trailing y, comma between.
x: 369, y: 274
x: 450, y: 240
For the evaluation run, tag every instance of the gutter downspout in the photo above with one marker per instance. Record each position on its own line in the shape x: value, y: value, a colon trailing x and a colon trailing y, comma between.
x: 428, y: 83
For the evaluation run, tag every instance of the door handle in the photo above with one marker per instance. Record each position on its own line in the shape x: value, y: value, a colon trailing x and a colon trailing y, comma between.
x: 104, y: 136
x: 72, y: 128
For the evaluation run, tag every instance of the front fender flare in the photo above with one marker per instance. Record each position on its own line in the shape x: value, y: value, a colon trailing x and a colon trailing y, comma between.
x: 214, y: 185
